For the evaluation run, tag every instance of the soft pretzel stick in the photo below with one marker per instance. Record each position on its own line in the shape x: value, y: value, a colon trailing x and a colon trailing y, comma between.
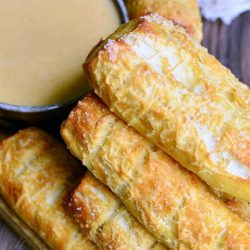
x: 165, y: 85
x: 36, y: 175
x: 170, y: 202
x: 183, y: 12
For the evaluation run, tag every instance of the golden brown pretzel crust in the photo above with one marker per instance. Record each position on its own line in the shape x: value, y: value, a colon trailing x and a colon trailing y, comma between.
x: 165, y: 85
x: 183, y: 12
x: 170, y: 202
x: 36, y: 173
x: 10, y: 217
x: 239, y: 207
x: 106, y: 221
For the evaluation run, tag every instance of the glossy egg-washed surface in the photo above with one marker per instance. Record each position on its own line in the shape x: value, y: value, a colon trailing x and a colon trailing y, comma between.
x: 183, y: 12
x: 106, y: 221
x: 172, y: 203
x: 36, y: 175
x: 165, y: 85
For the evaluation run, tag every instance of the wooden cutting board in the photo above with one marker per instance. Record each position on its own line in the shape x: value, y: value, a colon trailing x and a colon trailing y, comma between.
x: 230, y: 44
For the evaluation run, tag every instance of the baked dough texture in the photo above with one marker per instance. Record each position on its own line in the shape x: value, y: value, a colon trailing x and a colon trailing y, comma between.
x: 22, y: 229
x: 172, y: 203
x: 239, y: 207
x: 165, y: 85
x: 106, y: 221
x: 183, y: 12
x: 36, y: 175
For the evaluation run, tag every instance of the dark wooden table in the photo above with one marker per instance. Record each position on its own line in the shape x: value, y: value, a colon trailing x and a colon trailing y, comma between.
x: 230, y: 44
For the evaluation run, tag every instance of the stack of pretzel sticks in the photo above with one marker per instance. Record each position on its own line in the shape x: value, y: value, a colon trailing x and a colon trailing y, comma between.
x: 170, y: 93
x: 36, y: 171
x: 174, y: 151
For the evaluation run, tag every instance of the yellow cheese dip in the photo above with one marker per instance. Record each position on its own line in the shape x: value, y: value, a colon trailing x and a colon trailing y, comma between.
x: 43, y: 44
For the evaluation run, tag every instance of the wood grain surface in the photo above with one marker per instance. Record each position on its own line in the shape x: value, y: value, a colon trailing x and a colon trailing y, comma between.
x: 230, y: 44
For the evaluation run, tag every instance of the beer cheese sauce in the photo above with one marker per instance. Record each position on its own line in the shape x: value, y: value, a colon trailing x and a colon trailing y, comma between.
x: 43, y: 44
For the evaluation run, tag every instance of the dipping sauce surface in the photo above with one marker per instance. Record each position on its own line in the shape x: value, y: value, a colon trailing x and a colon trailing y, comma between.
x: 43, y: 44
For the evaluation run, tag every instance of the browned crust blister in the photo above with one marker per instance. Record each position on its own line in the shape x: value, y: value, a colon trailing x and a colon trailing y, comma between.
x: 166, y: 86
x: 106, y: 221
x: 183, y: 12
x: 36, y: 175
x: 173, y: 204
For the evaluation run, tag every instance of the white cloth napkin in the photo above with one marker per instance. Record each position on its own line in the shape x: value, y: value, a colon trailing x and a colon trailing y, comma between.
x: 226, y: 10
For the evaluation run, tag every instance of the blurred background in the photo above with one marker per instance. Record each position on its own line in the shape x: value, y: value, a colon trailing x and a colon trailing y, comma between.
x: 230, y: 44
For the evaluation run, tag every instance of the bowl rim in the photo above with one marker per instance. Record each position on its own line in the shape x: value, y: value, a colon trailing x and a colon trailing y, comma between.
x: 35, y: 109
x: 120, y: 5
